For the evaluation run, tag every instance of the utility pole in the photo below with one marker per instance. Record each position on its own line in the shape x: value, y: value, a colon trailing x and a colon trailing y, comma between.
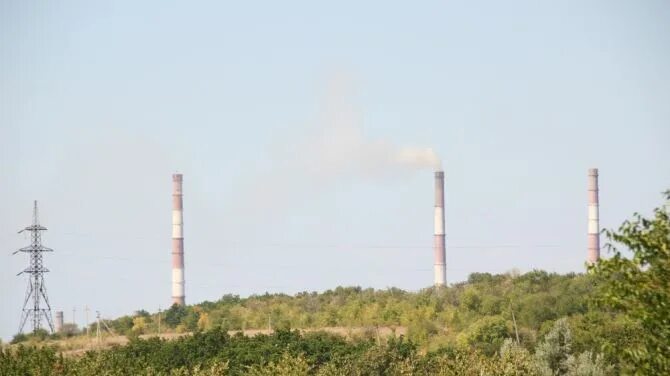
x: 159, y: 321
x: 97, y: 332
x: 74, y: 322
x: 36, y: 289
x: 516, y: 331
x: 86, y: 315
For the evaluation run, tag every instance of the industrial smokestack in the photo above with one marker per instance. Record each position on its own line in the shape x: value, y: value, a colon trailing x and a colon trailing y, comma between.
x: 59, y: 321
x: 439, y: 245
x: 594, y: 221
x: 177, y: 241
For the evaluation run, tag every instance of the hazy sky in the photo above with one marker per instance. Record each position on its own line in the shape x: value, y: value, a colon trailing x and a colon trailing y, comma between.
x: 287, y: 120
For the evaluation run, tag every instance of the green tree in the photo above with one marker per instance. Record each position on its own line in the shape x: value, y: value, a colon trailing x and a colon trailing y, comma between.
x: 515, y: 360
x: 174, y: 315
x: 123, y: 324
x: 587, y: 364
x: 471, y: 299
x: 486, y: 334
x: 552, y: 354
x: 190, y: 320
x: 139, y: 325
x: 288, y: 365
x: 639, y: 287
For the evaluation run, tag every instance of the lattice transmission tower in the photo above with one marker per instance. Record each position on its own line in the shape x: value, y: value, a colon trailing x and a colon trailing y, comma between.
x: 36, y: 291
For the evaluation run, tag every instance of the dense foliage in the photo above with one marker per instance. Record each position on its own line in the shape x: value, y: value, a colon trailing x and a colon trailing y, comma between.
x: 290, y: 353
x: 639, y: 287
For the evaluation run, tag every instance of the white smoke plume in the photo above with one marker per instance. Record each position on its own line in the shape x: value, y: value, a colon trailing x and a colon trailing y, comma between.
x: 341, y: 148
x: 333, y: 150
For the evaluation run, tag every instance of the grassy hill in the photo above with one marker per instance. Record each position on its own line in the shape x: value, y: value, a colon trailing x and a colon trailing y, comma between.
x: 477, y: 321
x: 432, y: 317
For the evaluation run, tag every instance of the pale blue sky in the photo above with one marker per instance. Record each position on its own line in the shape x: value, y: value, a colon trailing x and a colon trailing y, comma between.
x: 100, y: 103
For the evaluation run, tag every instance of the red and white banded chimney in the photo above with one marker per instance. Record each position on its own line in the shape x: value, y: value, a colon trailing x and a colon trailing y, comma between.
x: 439, y: 245
x: 178, y: 296
x: 594, y: 220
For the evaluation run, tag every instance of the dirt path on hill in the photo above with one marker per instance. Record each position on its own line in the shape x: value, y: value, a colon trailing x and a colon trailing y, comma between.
x: 79, y: 345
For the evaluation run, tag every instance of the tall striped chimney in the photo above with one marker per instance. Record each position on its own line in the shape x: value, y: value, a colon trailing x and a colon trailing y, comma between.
x: 439, y: 246
x: 177, y: 241
x: 594, y: 224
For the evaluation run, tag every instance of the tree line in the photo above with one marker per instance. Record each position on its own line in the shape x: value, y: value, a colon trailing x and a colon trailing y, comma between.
x: 287, y: 352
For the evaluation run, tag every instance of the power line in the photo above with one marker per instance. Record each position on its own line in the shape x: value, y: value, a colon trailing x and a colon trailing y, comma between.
x: 233, y: 243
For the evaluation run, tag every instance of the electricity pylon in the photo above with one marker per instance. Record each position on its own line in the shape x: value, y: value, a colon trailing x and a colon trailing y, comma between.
x: 36, y: 289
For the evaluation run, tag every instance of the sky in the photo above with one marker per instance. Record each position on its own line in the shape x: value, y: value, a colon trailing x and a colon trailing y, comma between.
x: 292, y: 123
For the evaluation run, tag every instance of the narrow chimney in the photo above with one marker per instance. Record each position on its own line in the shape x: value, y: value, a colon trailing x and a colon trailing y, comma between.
x: 439, y: 246
x: 177, y: 241
x: 59, y: 321
x: 594, y: 221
